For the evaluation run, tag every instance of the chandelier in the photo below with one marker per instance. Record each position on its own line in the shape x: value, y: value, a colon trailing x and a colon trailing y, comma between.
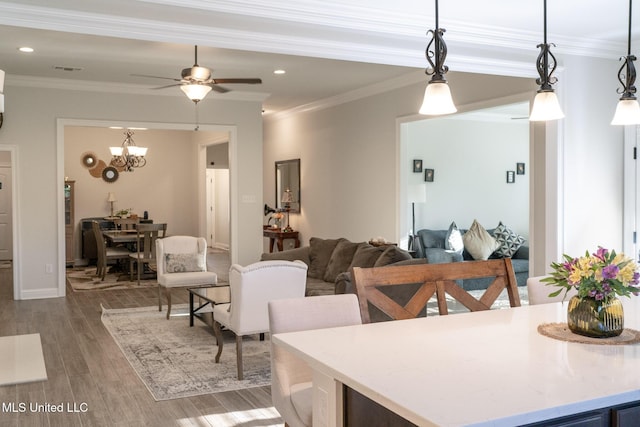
x: 129, y: 155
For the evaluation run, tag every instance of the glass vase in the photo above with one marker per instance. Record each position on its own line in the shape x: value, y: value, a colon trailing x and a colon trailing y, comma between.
x: 593, y: 318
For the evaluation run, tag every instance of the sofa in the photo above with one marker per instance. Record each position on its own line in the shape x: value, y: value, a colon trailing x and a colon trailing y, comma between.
x: 443, y: 246
x: 330, y: 261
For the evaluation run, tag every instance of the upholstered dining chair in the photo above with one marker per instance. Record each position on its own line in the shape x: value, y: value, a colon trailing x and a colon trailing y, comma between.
x: 291, y: 388
x: 181, y: 263
x: 146, y: 247
x: 538, y: 292
x: 105, y: 253
x: 251, y: 288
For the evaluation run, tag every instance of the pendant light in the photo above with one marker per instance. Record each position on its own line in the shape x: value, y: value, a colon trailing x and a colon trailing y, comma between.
x: 628, y: 109
x: 546, y: 105
x: 437, y: 96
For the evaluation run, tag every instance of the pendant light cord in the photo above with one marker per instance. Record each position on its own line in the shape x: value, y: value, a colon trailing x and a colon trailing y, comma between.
x: 629, y: 34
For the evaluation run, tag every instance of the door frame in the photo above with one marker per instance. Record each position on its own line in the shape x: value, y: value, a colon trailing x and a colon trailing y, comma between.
x: 15, y: 247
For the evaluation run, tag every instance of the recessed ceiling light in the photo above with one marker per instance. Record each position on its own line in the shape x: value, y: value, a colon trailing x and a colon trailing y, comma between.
x: 25, y: 49
x: 279, y: 72
x: 116, y: 127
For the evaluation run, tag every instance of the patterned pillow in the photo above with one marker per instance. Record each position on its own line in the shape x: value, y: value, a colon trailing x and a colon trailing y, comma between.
x: 508, y: 241
x: 181, y: 263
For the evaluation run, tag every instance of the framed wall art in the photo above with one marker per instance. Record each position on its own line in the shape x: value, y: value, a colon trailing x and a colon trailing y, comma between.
x: 511, y: 177
x: 428, y: 175
x: 417, y: 166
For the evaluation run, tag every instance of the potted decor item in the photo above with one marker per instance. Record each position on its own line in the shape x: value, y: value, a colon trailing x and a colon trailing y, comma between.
x: 599, y: 278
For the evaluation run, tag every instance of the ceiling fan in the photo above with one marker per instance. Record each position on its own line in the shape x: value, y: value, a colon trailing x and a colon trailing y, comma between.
x: 196, y: 81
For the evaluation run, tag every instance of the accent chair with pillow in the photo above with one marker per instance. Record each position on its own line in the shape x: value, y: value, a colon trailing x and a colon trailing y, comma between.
x: 182, y: 263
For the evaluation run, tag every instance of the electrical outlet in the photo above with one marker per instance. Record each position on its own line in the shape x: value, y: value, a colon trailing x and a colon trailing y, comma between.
x: 48, y: 268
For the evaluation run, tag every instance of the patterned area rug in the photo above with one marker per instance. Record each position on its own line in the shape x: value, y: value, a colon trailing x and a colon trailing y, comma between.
x: 85, y: 279
x: 175, y: 361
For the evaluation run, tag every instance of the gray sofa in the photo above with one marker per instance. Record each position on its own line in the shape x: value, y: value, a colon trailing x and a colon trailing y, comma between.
x: 432, y: 246
x: 330, y: 260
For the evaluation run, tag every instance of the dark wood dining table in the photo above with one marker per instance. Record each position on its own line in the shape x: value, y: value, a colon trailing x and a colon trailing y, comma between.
x: 119, y: 237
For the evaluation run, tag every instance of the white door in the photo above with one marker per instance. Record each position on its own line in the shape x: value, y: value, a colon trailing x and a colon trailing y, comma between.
x: 6, y: 235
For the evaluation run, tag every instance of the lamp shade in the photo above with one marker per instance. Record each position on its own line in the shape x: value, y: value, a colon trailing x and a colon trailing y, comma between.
x: 1, y: 102
x: 1, y: 81
x: 627, y: 113
x: 287, y: 196
x: 196, y: 92
x: 417, y: 193
x: 437, y: 100
x: 116, y: 151
x: 111, y: 197
x: 546, y: 107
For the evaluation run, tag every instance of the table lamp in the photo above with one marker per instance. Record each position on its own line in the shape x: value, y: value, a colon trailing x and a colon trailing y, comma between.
x: 111, y: 198
x: 287, y: 199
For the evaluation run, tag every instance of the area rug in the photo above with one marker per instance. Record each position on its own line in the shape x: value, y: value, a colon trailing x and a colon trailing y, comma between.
x: 85, y: 279
x: 174, y: 360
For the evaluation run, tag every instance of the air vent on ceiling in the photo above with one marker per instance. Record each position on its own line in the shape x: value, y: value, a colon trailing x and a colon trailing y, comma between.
x: 59, y: 67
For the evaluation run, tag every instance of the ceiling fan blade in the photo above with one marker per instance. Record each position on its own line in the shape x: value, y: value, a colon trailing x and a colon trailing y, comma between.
x: 164, y: 87
x: 218, y: 89
x: 249, y: 81
x: 155, y: 77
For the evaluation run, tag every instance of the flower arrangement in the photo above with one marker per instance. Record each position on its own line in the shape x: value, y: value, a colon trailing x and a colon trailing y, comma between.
x: 601, y: 275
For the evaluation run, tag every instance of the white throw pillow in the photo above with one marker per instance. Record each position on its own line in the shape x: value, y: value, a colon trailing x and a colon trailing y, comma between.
x: 478, y: 242
x: 453, y: 240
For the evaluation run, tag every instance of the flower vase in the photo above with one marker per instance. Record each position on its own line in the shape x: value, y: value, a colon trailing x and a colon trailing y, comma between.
x: 593, y: 318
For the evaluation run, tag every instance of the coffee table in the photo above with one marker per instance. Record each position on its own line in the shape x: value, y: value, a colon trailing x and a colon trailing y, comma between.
x: 211, y: 295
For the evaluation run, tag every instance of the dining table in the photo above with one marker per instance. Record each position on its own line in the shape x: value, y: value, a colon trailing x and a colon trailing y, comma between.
x: 487, y: 368
x: 120, y: 237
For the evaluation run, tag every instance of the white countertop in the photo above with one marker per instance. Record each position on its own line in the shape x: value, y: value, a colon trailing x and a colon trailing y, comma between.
x: 487, y: 368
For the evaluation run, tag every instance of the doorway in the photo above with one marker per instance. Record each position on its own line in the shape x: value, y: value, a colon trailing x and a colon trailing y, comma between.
x: 8, y: 213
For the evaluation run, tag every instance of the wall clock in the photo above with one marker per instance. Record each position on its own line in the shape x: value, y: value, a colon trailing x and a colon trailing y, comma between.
x: 110, y: 174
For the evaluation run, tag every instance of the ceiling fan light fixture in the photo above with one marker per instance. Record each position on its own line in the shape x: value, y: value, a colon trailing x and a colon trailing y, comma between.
x: 200, y: 73
x: 196, y: 92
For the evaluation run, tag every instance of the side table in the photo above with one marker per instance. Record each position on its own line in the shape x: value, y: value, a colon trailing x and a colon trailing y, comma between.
x: 278, y: 235
x: 211, y: 295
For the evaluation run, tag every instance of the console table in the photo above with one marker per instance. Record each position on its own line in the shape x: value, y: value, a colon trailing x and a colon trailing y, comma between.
x: 277, y: 235
x: 489, y: 368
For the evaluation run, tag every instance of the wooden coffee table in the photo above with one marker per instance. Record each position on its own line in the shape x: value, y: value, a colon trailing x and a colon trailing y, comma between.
x: 211, y: 295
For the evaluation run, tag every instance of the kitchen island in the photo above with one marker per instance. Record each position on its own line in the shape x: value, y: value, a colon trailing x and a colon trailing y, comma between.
x: 490, y: 368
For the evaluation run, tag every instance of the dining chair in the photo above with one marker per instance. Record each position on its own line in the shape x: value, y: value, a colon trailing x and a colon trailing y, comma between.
x: 251, y: 288
x: 104, y: 252
x: 181, y: 262
x: 291, y: 387
x: 145, y: 253
x: 538, y: 292
x: 126, y: 223
x: 433, y: 279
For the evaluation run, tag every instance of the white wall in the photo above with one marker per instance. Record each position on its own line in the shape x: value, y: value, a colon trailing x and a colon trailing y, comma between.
x: 348, y: 156
x: 31, y: 124
x: 470, y: 159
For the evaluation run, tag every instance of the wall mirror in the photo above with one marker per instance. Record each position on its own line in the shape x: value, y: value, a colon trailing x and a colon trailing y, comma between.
x: 288, y: 178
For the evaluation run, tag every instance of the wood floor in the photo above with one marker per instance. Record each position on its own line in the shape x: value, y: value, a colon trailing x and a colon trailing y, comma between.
x: 85, y: 367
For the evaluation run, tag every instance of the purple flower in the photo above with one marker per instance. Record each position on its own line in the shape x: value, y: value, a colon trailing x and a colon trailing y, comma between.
x: 599, y: 296
x: 610, y: 271
x: 601, y: 252
x: 636, y: 278
x: 592, y: 293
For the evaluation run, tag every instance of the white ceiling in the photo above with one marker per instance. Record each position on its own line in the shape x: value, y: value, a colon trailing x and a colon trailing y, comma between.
x: 330, y: 49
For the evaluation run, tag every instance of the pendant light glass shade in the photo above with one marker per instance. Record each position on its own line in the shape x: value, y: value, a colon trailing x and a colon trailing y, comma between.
x: 437, y: 100
x: 546, y: 107
x: 196, y: 92
x: 627, y: 112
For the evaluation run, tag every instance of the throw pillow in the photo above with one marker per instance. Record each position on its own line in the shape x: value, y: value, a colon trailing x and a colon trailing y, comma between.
x: 340, y: 259
x: 182, y: 263
x: 320, y: 251
x: 453, y: 239
x: 366, y: 256
x: 508, y: 241
x: 391, y: 255
x: 478, y: 242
